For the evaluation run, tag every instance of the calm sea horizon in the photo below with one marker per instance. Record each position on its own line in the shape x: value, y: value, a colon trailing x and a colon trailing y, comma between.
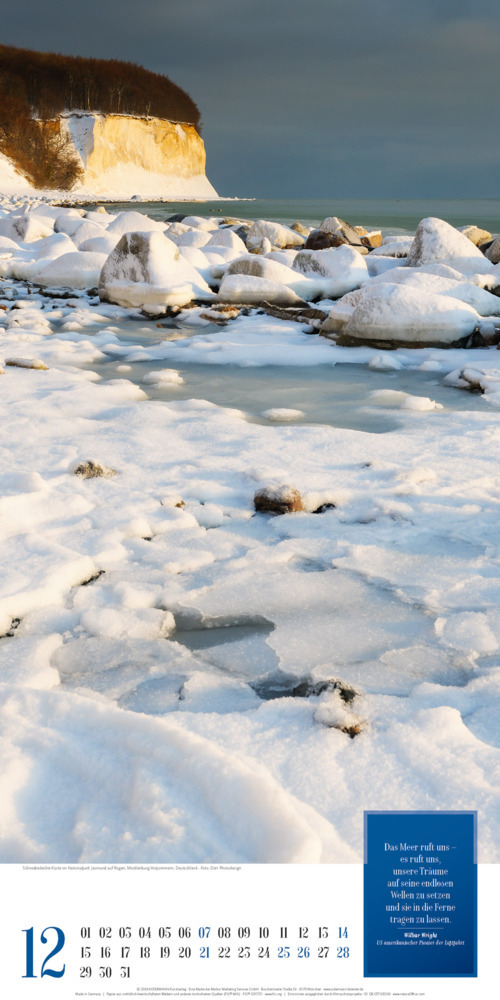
x: 398, y: 215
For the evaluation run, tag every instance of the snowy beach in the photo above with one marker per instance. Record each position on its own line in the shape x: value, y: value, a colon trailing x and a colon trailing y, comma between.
x: 185, y: 678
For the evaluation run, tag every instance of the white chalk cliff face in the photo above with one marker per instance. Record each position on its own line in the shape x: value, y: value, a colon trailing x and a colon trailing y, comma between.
x: 123, y: 155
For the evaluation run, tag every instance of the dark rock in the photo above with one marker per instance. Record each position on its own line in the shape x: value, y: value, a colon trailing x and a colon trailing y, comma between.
x: 493, y: 251
x: 242, y: 232
x: 287, y: 686
x: 91, y: 579
x: 304, y: 314
x: 298, y: 227
x: 372, y: 240
x: 353, y: 730
x: 15, y: 623
x: 312, y: 689
x: 93, y: 470
x: 486, y: 246
x: 282, y: 499
x: 318, y: 240
x: 178, y: 217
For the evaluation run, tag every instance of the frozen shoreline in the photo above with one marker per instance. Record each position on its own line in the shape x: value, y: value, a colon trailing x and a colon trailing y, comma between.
x: 125, y: 740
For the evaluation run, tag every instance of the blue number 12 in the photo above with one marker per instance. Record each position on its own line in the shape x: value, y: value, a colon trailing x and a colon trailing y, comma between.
x: 29, y: 953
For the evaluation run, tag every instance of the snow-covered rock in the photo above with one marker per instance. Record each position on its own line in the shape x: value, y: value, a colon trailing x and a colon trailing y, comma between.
x: 246, y: 289
x: 27, y: 268
x: 341, y: 268
x: 87, y: 231
x: 54, y: 246
x: 341, y: 228
x: 70, y: 270
x: 272, y: 270
x: 436, y: 241
x: 278, y: 235
x: 227, y: 238
x: 396, y: 247
x: 68, y: 221
x: 192, y: 238
x: 425, y: 281
x: 399, y: 314
x: 100, y: 244
x: 145, y: 268
x: 200, y: 222
x: 130, y: 222
x: 25, y: 228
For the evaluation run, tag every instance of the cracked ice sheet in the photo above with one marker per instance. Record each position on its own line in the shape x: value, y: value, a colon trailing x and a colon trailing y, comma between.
x: 394, y: 591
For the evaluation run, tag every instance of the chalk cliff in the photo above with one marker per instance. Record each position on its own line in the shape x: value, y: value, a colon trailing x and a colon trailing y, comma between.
x: 125, y: 155
x: 97, y: 127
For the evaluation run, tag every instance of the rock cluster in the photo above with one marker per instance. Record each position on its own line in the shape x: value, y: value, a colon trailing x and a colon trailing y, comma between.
x: 440, y: 287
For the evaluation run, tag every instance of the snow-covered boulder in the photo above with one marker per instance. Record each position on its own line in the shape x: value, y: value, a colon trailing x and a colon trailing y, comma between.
x: 262, y: 267
x: 68, y: 220
x: 100, y: 216
x: 87, y: 231
x: 47, y: 212
x: 397, y: 314
x: 278, y: 235
x: 191, y: 238
x: 196, y: 257
x: 8, y: 245
x: 70, y: 270
x: 379, y: 265
x: 246, y: 289
x: 283, y: 256
x: 175, y: 229
x: 227, y: 238
x: 100, y: 244
x: 25, y: 228
x: 145, y: 269
x: 54, y: 246
x: 45, y: 250
x: 341, y: 268
x: 134, y: 222
x: 334, y: 225
x: 397, y: 246
x: 424, y: 281
x: 272, y: 270
x: 199, y: 222
x: 436, y: 241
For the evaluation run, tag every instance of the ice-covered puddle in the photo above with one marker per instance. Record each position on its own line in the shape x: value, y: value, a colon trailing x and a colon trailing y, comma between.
x: 346, y: 395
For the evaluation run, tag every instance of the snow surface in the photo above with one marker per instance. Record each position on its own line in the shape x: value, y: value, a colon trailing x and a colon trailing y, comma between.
x: 185, y: 680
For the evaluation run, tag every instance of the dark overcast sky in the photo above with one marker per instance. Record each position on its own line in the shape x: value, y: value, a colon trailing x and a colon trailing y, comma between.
x: 311, y: 98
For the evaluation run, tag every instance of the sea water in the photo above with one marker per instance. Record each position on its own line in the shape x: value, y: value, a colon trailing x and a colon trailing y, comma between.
x: 399, y: 215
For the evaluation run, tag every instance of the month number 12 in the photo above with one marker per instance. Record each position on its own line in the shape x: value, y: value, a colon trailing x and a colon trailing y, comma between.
x: 56, y: 973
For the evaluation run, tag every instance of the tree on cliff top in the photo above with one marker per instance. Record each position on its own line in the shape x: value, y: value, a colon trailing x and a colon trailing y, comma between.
x: 50, y: 83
